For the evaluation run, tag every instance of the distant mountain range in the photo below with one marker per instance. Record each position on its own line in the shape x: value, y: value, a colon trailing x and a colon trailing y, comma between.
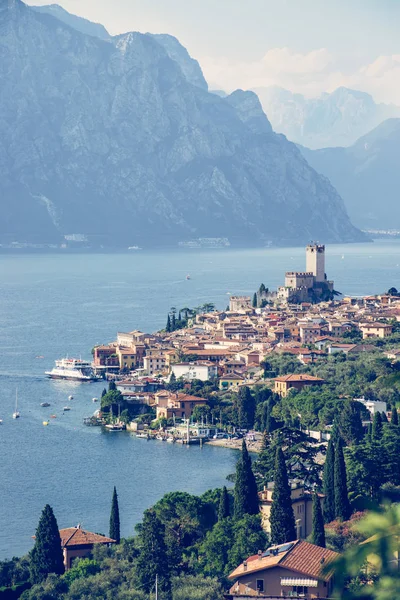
x: 367, y: 175
x: 336, y: 119
x: 118, y: 138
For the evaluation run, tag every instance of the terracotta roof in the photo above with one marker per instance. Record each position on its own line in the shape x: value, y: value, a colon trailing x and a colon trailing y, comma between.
x: 76, y: 536
x: 309, y: 559
x: 302, y: 557
x: 300, y: 377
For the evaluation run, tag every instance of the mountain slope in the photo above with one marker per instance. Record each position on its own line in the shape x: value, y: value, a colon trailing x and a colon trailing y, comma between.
x: 367, y: 175
x: 336, y: 119
x: 113, y: 139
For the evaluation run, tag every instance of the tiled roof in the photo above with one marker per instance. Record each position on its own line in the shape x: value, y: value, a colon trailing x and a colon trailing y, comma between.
x: 299, y: 377
x: 76, y: 536
x: 309, y: 559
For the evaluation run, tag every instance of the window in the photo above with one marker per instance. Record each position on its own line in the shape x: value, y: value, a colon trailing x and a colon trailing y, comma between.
x: 299, y: 591
x: 260, y: 585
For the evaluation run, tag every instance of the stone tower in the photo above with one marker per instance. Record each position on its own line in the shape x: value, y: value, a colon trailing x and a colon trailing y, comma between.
x: 315, y: 261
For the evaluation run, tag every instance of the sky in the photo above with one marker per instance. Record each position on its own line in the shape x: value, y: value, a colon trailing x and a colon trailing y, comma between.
x: 306, y: 46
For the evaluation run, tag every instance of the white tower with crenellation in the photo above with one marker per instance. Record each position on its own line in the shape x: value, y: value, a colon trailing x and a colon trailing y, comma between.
x: 315, y: 261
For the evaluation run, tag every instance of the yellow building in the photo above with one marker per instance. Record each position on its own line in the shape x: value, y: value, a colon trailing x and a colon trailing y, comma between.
x: 233, y: 380
x: 285, y: 383
x: 371, y: 330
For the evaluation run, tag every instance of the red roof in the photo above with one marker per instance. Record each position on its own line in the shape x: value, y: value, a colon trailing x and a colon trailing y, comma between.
x: 76, y: 536
x: 301, y: 377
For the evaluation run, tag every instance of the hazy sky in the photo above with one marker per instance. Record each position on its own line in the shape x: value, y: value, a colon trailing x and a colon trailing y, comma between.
x: 308, y: 46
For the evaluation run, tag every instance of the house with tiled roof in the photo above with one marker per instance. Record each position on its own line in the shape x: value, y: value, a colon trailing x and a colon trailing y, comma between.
x: 296, y: 569
x: 78, y: 543
x: 295, y: 381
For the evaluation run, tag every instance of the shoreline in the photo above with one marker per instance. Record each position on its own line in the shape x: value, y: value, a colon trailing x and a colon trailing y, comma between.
x: 236, y: 444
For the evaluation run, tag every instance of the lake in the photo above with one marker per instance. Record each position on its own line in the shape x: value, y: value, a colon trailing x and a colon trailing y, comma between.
x: 53, y: 305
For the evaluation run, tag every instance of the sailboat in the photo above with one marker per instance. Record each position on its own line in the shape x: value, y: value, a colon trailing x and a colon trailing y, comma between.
x: 16, y: 414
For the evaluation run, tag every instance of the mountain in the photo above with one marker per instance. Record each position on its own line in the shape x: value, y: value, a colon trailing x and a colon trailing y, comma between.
x: 78, y: 23
x: 336, y: 119
x: 367, y: 175
x: 120, y: 140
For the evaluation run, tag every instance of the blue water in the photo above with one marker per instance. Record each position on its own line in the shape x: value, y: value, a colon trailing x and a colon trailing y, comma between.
x: 54, y: 305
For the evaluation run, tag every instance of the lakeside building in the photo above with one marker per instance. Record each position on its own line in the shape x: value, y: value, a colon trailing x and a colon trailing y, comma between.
x: 311, y: 285
x: 301, y: 503
x: 285, y: 383
x: 293, y: 570
x: 79, y: 543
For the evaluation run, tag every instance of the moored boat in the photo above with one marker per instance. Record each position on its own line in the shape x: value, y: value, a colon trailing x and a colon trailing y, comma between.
x: 45, y: 404
x: 74, y: 369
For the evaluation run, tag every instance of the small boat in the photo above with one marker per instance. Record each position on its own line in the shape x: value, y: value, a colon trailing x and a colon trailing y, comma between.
x: 143, y: 435
x: 95, y: 399
x: 115, y: 426
x: 53, y: 416
x: 16, y: 414
x: 45, y: 404
x: 180, y: 441
x: 39, y: 356
x: 45, y: 423
x: 66, y: 408
x: 159, y: 437
x: 70, y: 398
x: 1, y: 420
x: 170, y: 440
x: 187, y: 277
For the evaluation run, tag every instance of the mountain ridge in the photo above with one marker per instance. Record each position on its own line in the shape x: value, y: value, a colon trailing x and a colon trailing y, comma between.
x: 120, y: 139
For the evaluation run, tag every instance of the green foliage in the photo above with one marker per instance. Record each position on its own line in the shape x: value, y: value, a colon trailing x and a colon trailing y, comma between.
x: 191, y: 587
x: 245, y: 407
x: 318, y: 531
x: 329, y: 483
x: 245, y: 492
x: 114, y: 531
x: 46, y: 556
x: 395, y: 416
x: 82, y: 567
x: 224, y: 505
x: 342, y: 506
x: 349, y: 422
x: 51, y: 588
x: 112, y: 386
x: 152, y: 560
x: 377, y: 427
x: 281, y: 517
x: 254, y: 302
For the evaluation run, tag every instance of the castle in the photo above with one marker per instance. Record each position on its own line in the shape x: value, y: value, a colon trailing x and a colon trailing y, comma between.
x: 311, y: 285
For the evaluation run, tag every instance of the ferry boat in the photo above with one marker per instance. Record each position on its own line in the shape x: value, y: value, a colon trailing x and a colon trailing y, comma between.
x: 75, y: 369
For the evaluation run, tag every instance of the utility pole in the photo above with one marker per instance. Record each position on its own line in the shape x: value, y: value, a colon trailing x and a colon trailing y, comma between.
x: 156, y: 586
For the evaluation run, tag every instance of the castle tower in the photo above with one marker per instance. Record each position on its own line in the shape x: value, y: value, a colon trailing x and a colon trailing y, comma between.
x: 315, y: 261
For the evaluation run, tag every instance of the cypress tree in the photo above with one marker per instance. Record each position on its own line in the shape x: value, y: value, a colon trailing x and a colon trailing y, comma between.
x: 281, y: 518
x: 168, y: 325
x: 152, y: 560
x: 254, y: 303
x: 329, y: 483
x: 245, y: 492
x: 114, y: 518
x: 342, y: 506
x: 46, y: 556
x: 377, y: 427
x: 223, y: 509
x: 173, y: 322
x: 104, y: 392
x: 384, y: 417
x: 318, y: 531
x: 111, y: 386
x: 395, y: 416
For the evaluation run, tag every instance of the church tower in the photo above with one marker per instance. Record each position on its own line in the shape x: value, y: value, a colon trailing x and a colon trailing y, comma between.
x: 315, y: 261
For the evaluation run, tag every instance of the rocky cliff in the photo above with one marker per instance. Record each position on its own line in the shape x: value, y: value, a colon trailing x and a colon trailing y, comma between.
x: 120, y: 139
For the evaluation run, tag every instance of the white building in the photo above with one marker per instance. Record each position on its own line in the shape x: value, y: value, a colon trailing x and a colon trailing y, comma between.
x: 372, y: 405
x: 195, y: 370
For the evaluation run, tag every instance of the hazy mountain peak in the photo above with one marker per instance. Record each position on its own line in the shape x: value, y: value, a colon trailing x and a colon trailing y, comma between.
x: 78, y: 23
x: 249, y: 110
x: 333, y: 119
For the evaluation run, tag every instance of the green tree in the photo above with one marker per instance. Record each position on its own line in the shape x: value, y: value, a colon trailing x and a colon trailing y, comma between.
x: 168, y: 325
x: 254, y: 303
x: 114, y: 518
x: 111, y: 386
x: 350, y: 424
x: 342, y: 506
x: 377, y: 427
x: 245, y: 492
x: 318, y: 531
x: 46, y: 556
x: 329, y: 483
x: 224, y: 508
x: 82, y: 567
x: 191, y: 587
x: 395, y: 416
x: 152, y: 561
x: 245, y: 408
x: 281, y: 517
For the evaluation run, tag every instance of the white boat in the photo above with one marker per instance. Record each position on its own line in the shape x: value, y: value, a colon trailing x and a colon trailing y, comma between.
x: 159, y: 437
x: 95, y: 399
x: 16, y: 414
x: 187, y: 277
x: 66, y: 408
x: 170, y: 440
x: 70, y: 398
x: 115, y: 426
x: 143, y: 435
x: 75, y: 369
x: 45, y: 404
x: 1, y: 420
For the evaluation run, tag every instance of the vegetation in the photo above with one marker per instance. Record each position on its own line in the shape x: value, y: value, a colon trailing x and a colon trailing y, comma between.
x: 281, y: 518
x: 46, y: 556
x: 318, y: 531
x: 245, y: 494
x: 114, y: 518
